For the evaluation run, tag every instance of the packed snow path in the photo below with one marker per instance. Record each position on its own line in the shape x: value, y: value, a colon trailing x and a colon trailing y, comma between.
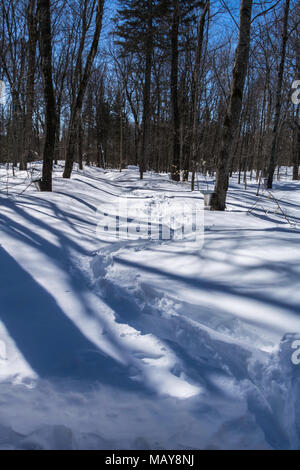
x: 146, y: 344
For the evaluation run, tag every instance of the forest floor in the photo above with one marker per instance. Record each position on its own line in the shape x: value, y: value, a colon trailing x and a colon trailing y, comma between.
x: 147, y: 344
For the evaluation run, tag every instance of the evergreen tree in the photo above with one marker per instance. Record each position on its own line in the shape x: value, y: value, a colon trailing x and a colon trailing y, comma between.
x: 143, y: 25
x: 136, y: 23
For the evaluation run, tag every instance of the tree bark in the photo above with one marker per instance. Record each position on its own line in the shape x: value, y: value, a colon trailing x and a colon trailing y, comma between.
x: 297, y: 150
x: 31, y: 65
x: 195, y: 88
x: 273, y: 157
x: 77, y: 107
x: 147, y: 93
x: 175, y: 169
x: 45, y: 38
x: 233, y: 113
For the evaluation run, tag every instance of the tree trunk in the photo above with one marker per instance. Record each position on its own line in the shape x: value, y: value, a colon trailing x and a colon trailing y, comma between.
x: 233, y: 113
x: 273, y: 158
x: 147, y: 93
x: 297, y: 150
x: 175, y: 169
x: 76, y: 108
x: 46, y: 64
x: 80, y: 145
x: 195, y: 86
x: 32, y: 41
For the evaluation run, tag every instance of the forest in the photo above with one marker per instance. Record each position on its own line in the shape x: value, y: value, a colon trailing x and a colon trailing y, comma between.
x: 170, y: 86
x: 149, y: 228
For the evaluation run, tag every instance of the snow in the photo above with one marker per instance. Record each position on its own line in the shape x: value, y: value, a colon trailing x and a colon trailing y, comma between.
x: 147, y: 344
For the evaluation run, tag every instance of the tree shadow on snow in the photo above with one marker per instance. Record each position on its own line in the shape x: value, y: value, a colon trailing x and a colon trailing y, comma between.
x: 50, y: 342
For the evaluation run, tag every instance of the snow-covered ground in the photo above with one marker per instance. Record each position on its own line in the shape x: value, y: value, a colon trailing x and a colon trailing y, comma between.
x: 147, y: 344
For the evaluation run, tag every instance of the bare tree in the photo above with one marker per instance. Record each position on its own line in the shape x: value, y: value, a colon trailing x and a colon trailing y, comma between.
x: 45, y: 43
x: 235, y: 105
x: 175, y: 168
x: 31, y: 70
x: 147, y: 91
x: 78, y: 101
x: 273, y: 157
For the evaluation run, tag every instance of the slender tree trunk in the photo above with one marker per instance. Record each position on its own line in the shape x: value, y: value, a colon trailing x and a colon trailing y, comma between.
x: 32, y: 42
x: 57, y: 135
x: 80, y: 145
x: 235, y: 105
x: 121, y: 149
x: 147, y: 93
x: 175, y: 169
x: 297, y: 150
x: 76, y: 108
x: 46, y: 63
x: 195, y: 87
x: 273, y: 157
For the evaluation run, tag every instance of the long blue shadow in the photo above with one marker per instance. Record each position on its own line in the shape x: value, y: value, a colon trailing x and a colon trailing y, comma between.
x: 48, y: 340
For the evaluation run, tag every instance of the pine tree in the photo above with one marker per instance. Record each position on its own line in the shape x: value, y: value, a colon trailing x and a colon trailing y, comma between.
x: 142, y: 26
